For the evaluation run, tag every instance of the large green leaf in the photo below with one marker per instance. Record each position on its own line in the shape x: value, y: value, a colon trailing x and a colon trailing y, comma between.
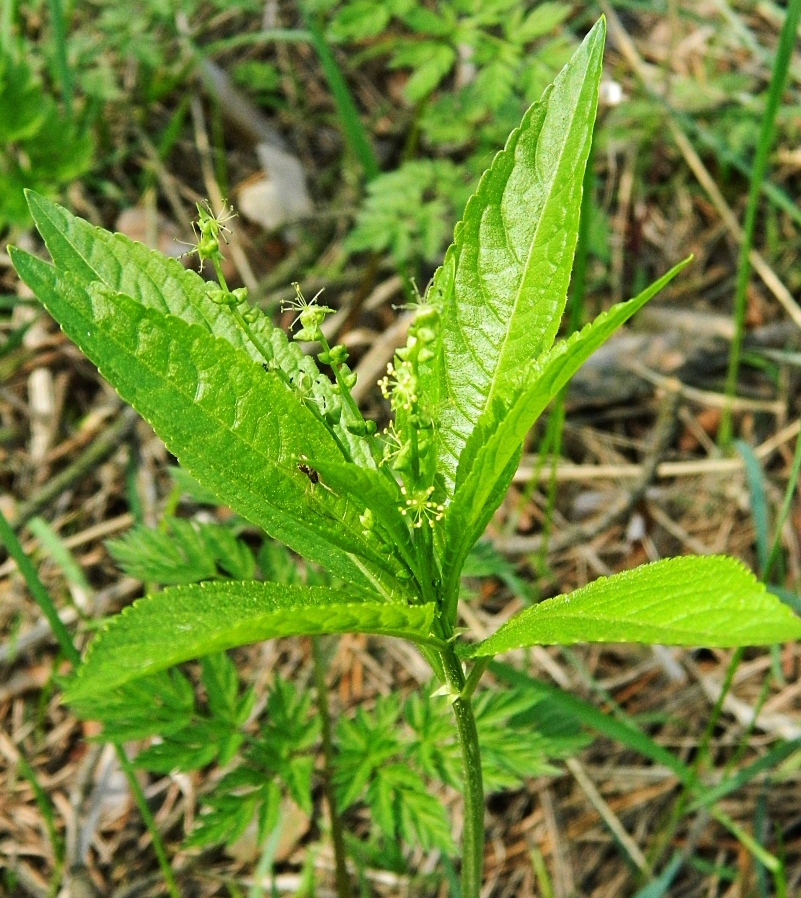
x: 503, y: 284
x: 711, y: 600
x: 92, y: 254
x: 186, y: 622
x: 234, y: 426
x: 488, y: 460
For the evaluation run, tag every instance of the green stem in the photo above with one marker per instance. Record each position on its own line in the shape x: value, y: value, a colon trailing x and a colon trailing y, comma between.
x: 473, y: 826
x: 784, y: 511
x: 147, y: 818
x: 337, y: 834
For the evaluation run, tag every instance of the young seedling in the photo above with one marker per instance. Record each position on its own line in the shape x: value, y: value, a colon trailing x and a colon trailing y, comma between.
x: 392, y: 516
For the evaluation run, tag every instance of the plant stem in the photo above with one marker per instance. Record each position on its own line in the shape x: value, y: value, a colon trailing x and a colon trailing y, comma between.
x: 473, y: 826
x: 337, y: 836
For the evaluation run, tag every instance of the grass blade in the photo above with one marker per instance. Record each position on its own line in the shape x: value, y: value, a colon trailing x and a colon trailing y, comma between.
x: 781, y: 64
x: 785, y: 509
x: 45, y: 603
x: 348, y: 115
x: 771, y: 759
x: 37, y: 590
x: 60, y: 52
x: 588, y: 715
x: 759, y: 507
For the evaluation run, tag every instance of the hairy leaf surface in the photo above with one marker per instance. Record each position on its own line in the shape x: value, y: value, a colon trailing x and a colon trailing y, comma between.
x: 234, y: 426
x: 503, y: 284
x: 488, y: 461
x: 186, y: 622
x: 93, y: 254
x: 711, y: 601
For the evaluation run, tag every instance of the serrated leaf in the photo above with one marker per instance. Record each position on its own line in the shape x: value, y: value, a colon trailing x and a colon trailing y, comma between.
x: 227, y: 818
x: 188, y: 750
x: 230, y: 553
x: 490, y: 456
x: 235, y: 427
x: 219, y: 676
x: 159, y: 705
x: 401, y: 805
x: 186, y: 552
x: 172, y: 559
x: 92, y: 255
x: 187, y: 622
x: 711, y: 601
x: 503, y: 284
x: 375, y: 491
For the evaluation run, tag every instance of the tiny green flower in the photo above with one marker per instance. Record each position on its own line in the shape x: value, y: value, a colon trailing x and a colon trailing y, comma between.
x: 310, y: 315
x: 420, y: 508
x: 400, y: 385
x: 209, y: 229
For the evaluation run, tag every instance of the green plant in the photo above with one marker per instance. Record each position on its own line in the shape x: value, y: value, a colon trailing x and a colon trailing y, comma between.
x: 40, y: 148
x: 473, y: 68
x: 390, y: 517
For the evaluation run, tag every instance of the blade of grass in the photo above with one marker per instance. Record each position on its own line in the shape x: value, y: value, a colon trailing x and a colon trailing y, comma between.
x: 748, y: 842
x: 39, y: 593
x: 657, y: 888
x: 349, y: 120
x: 773, y: 193
x: 541, y: 872
x: 759, y: 507
x: 46, y: 810
x: 787, y: 40
x: 760, y: 814
x: 51, y: 542
x: 784, y: 510
x: 774, y: 757
x: 621, y: 731
x: 45, y: 603
x: 60, y: 53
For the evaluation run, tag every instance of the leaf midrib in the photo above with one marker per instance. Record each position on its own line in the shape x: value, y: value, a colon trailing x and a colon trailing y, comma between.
x: 518, y: 294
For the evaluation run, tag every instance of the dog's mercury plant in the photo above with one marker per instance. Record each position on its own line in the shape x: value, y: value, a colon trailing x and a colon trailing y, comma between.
x: 390, y: 516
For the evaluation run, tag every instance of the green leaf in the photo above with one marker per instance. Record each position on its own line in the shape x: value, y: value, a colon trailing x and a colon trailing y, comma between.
x: 489, y: 458
x: 184, y: 552
x: 380, y: 494
x: 235, y: 427
x: 503, y: 284
x: 93, y: 255
x: 711, y: 601
x: 190, y: 621
x: 159, y: 705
